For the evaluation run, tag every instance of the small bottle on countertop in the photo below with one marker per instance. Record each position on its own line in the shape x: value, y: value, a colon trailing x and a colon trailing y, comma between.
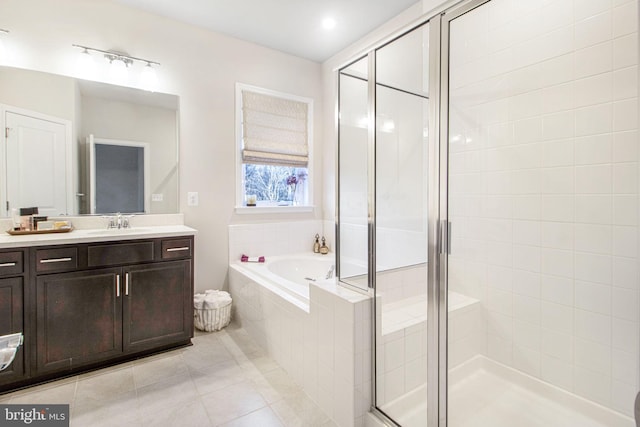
x: 316, y: 245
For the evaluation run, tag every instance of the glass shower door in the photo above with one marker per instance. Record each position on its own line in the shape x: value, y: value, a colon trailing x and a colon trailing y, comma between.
x: 543, y: 318
x: 401, y: 226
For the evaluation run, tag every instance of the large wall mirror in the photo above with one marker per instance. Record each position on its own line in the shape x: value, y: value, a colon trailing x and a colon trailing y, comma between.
x: 52, y: 125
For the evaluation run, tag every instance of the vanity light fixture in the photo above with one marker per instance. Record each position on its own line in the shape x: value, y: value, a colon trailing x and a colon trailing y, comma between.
x: 120, y: 62
x: 118, y: 66
x: 111, y: 55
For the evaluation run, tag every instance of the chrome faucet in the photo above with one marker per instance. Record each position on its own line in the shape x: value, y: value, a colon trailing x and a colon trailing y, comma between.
x: 118, y: 221
x: 330, y: 272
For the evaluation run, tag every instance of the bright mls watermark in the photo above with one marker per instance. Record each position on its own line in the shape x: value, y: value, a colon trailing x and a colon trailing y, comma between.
x: 34, y: 415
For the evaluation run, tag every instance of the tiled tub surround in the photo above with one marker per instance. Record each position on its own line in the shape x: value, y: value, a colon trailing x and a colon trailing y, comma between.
x: 398, y: 247
x: 275, y: 238
x: 544, y: 189
x: 323, y: 343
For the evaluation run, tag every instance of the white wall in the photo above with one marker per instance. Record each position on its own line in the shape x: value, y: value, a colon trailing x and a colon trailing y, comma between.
x: 202, y: 68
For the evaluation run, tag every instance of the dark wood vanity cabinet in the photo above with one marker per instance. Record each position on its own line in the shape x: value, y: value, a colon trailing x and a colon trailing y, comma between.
x: 99, y: 303
x: 78, y: 319
x: 12, y: 290
x: 157, y: 305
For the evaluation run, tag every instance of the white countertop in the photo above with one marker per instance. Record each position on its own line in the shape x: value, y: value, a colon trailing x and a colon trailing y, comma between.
x: 95, y: 235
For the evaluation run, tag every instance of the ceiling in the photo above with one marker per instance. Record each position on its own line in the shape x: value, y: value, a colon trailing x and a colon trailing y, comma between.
x: 291, y: 26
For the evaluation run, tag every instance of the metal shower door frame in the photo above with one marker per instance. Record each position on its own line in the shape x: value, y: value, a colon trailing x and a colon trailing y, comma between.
x: 445, y: 227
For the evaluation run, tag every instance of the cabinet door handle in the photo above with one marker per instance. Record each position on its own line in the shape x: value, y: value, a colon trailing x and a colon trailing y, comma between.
x: 8, y: 264
x: 183, y: 248
x: 51, y: 260
x: 126, y: 283
x: 117, y: 285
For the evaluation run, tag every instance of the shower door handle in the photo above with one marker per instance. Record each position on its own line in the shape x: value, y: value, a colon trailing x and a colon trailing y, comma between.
x: 445, y: 237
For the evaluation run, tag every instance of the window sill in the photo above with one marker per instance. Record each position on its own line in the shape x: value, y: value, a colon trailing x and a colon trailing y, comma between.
x: 248, y: 210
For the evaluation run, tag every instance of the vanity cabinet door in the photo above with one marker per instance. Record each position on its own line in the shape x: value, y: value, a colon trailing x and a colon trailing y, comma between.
x: 11, y: 322
x: 78, y: 319
x: 157, y: 305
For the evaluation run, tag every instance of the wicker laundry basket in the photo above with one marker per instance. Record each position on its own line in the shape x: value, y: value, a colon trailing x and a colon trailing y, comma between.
x: 214, y: 319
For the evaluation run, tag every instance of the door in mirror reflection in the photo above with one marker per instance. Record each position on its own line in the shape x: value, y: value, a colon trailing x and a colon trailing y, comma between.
x: 119, y: 176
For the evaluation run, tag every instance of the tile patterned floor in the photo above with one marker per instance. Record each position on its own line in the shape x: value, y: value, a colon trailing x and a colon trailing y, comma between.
x: 224, y: 379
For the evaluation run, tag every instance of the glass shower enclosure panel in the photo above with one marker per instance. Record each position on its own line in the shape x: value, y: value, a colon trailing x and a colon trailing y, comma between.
x: 353, y: 167
x: 401, y: 238
x: 543, y: 326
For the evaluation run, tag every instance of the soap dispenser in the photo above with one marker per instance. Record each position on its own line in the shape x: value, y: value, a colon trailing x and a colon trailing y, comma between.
x: 316, y: 245
x: 324, y: 249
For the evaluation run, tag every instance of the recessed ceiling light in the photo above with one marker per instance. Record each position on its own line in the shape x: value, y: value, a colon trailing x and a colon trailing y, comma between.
x: 328, y: 23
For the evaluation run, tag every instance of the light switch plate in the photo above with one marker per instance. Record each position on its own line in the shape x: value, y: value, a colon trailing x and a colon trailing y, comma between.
x: 157, y: 197
x: 192, y: 198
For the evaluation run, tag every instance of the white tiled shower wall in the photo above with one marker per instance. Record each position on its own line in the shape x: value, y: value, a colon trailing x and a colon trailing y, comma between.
x: 402, y: 283
x: 544, y: 188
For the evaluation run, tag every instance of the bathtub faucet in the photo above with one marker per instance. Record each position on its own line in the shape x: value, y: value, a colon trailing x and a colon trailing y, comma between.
x: 330, y: 272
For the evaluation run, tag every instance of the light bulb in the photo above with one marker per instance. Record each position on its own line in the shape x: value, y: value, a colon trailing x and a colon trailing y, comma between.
x: 118, y: 69
x: 85, y: 64
x: 148, y: 78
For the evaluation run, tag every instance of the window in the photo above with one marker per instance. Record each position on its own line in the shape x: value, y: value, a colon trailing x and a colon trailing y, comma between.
x: 274, y: 139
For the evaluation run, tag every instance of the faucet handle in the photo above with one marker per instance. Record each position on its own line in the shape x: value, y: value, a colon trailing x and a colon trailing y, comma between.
x: 126, y: 221
x: 111, y: 222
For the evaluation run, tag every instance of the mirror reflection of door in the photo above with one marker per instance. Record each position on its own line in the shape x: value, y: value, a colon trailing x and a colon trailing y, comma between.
x: 119, y: 175
x: 32, y: 178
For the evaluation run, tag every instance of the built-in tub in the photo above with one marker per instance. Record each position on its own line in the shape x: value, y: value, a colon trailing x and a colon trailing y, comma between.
x: 300, y: 319
x: 289, y: 275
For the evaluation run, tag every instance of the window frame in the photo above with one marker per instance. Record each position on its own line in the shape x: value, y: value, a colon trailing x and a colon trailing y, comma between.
x: 240, y: 206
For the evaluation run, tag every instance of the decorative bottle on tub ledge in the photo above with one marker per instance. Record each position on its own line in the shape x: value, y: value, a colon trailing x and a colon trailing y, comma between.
x: 316, y: 245
x: 324, y: 249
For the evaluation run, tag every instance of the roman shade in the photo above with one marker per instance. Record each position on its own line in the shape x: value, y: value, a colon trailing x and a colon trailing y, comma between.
x: 274, y: 130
